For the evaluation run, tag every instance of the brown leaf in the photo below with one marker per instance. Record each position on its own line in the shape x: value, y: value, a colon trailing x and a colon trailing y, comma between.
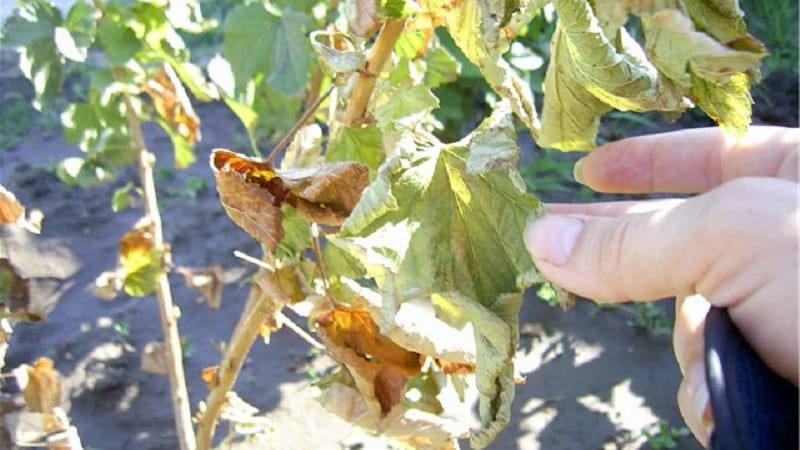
x: 154, y: 359
x: 15, y: 294
x: 172, y: 103
x: 207, y: 280
x: 210, y: 376
x: 363, y: 20
x: 450, y: 367
x: 353, y: 338
x: 251, y: 193
x: 12, y: 212
x: 41, y: 385
x: 326, y: 195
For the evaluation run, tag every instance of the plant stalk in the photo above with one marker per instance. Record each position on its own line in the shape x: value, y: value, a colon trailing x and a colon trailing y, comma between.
x: 376, y: 60
x: 167, y: 310
x: 260, y: 307
x: 287, y: 139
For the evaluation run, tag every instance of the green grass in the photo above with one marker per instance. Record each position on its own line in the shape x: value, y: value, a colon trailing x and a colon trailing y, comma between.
x: 17, y: 118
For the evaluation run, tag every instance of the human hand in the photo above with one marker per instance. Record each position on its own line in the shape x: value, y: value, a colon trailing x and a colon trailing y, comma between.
x: 734, y: 246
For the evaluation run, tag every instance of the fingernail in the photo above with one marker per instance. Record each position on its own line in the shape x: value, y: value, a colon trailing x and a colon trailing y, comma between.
x: 699, y: 397
x: 551, y: 239
x: 577, y: 170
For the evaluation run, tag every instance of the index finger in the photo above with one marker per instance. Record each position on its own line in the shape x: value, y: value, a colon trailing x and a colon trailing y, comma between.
x: 688, y: 161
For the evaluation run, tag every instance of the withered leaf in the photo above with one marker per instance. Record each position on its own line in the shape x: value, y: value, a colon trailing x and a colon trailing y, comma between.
x: 328, y: 194
x: 353, y: 338
x: 12, y: 212
x: 154, y: 359
x: 207, y: 280
x: 40, y: 384
x: 252, y: 192
x: 15, y: 294
x: 139, y: 261
x: 173, y: 106
x: 210, y: 376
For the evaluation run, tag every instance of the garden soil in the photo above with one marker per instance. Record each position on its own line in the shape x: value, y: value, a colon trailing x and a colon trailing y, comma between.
x: 592, y: 381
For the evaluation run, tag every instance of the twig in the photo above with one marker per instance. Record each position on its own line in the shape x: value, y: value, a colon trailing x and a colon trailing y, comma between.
x: 300, y: 122
x: 376, y: 59
x: 300, y: 332
x: 253, y: 260
x: 260, y: 306
x: 169, y: 322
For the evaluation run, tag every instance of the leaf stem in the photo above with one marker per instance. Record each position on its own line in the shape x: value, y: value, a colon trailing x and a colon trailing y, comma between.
x: 258, y: 310
x: 376, y: 59
x: 287, y: 139
x: 167, y: 310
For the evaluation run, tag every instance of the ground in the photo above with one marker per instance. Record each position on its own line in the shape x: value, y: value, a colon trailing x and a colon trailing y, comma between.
x: 592, y: 380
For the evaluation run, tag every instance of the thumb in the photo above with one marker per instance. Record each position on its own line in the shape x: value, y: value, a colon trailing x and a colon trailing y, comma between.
x: 682, y: 248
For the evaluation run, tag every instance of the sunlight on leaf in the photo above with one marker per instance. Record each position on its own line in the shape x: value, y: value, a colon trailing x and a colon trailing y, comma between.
x: 140, y: 263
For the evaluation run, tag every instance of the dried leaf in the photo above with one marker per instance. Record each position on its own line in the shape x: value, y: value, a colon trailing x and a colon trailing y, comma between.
x: 139, y: 261
x: 353, y: 338
x: 326, y: 195
x: 207, y: 280
x: 107, y: 285
x: 12, y: 212
x: 362, y: 17
x: 210, y: 376
x: 40, y: 384
x: 15, y: 294
x: 175, y: 109
x: 252, y: 193
x: 154, y: 359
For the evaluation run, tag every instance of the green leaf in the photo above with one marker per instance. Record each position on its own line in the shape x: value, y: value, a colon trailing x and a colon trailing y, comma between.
x: 364, y: 144
x: 427, y: 224
x: 77, y: 35
x: 183, y: 149
x: 122, y: 198
x: 291, y: 55
x: 729, y: 103
x: 393, y: 9
x: 118, y: 41
x: 442, y: 67
x: 405, y: 107
x: 258, y: 43
x: 32, y: 29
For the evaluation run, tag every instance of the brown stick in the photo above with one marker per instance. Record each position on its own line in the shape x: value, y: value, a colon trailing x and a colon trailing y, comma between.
x: 167, y: 310
x: 300, y: 122
x: 376, y: 59
x: 259, y: 308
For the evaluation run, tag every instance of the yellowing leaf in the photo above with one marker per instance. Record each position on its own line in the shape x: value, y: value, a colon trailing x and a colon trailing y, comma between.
x: 210, y: 376
x: 727, y: 103
x: 139, y: 262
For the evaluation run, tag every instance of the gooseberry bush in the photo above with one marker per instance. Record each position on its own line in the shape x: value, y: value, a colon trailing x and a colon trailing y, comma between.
x: 404, y: 250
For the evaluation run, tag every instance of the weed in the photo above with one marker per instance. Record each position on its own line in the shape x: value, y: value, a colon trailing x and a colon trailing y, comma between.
x: 665, y: 436
x: 17, y: 117
x: 651, y: 317
x: 123, y: 330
